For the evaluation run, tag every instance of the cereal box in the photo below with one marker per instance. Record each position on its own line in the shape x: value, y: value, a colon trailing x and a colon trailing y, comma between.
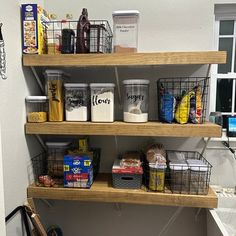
x: 34, y: 20
x: 78, y: 171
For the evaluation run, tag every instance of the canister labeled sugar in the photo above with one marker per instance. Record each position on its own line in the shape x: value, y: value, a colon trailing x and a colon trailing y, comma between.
x: 102, y: 102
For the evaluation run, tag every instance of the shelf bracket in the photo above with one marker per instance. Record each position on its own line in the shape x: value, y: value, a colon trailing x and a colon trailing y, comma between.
x: 37, y: 79
x: 171, y: 221
x: 118, y: 87
x: 41, y: 142
x: 205, y: 145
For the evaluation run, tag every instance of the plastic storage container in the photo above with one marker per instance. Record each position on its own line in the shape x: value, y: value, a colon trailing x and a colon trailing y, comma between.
x: 136, y: 93
x: 54, y: 90
x: 102, y: 102
x: 199, y: 176
x: 179, y: 176
x: 125, y: 29
x: 76, y: 102
x: 55, y: 156
x: 157, y: 177
x: 36, y: 108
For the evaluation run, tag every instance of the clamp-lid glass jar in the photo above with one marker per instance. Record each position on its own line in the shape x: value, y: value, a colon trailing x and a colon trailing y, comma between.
x: 76, y: 101
x: 136, y: 95
x: 36, y: 108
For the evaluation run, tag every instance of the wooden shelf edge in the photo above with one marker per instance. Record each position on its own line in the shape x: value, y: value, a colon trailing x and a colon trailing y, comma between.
x: 125, y: 129
x: 101, y: 191
x: 127, y: 59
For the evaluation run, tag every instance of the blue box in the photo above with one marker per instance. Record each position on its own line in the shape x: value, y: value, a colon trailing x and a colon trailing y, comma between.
x: 78, y: 171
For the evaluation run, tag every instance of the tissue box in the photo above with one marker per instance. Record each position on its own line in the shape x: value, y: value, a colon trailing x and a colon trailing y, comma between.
x: 78, y: 172
x: 33, y: 20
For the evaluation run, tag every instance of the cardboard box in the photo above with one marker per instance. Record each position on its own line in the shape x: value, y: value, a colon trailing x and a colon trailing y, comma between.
x: 33, y: 20
x: 78, y: 172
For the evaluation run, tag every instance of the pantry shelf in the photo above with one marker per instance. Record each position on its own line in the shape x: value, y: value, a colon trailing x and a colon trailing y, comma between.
x: 125, y: 129
x: 102, y: 191
x: 124, y: 59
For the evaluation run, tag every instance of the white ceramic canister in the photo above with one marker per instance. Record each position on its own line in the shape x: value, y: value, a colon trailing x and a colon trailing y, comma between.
x: 102, y: 102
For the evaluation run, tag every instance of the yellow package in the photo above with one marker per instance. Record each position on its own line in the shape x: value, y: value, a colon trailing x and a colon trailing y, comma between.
x: 183, y: 108
x: 198, y: 104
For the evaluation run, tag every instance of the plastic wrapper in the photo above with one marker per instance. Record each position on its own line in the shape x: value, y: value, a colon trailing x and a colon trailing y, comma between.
x: 156, y: 154
x: 183, y: 108
x: 198, y: 104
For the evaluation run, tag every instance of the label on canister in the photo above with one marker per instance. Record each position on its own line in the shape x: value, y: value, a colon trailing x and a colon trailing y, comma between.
x: 156, y: 179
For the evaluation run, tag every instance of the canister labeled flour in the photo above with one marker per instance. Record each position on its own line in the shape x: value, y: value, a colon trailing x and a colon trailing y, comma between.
x: 102, y: 102
x: 76, y: 101
x: 135, y: 98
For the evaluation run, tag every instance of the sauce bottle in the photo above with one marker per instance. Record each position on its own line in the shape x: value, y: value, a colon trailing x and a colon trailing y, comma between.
x: 83, y: 33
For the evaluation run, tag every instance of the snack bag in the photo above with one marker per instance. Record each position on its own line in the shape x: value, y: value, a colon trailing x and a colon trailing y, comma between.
x: 183, y: 108
x: 167, y: 107
x: 198, y: 104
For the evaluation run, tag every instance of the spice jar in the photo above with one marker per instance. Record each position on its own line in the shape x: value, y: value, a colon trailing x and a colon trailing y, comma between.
x: 36, y: 108
x: 55, y: 95
x: 76, y: 101
x: 102, y: 102
x: 135, y: 97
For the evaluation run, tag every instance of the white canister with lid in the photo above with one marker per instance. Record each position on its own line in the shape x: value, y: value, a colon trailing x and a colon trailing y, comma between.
x: 125, y: 30
x: 76, y: 101
x: 102, y: 102
x: 135, y: 96
x: 36, y: 108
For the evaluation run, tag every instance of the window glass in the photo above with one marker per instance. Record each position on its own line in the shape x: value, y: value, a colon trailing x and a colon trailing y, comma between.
x: 224, y: 95
x: 226, y: 27
x: 226, y: 44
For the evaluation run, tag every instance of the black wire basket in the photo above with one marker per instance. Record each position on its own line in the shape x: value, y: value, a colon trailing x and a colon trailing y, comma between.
x: 182, y: 179
x: 183, y: 99
x: 66, y: 38
x: 47, y: 165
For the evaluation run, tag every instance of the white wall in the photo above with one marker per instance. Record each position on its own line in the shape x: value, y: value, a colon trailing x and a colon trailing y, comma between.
x: 16, y: 147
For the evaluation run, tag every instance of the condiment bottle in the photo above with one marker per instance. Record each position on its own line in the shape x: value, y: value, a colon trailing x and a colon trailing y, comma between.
x: 83, y: 33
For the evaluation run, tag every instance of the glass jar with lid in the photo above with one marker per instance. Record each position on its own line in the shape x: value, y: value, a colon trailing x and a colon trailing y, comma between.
x: 36, y: 108
x: 135, y: 96
x: 76, y: 101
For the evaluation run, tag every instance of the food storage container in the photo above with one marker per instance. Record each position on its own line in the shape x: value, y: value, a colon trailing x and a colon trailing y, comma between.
x: 125, y: 29
x: 199, y: 176
x: 102, y: 102
x: 54, y: 90
x: 76, y: 102
x: 136, y: 93
x: 55, y: 156
x: 179, y: 176
x: 157, y: 177
x: 36, y: 108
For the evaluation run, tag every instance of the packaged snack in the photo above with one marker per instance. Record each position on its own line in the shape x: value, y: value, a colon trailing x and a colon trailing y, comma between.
x: 34, y: 19
x: 198, y: 103
x: 183, y: 108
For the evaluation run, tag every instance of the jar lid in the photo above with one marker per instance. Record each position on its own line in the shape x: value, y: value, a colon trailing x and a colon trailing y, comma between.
x: 57, y: 144
x: 178, y: 165
x: 102, y: 85
x: 125, y: 13
x: 53, y: 72
x: 158, y: 166
x: 136, y: 81
x: 36, y: 98
x: 75, y: 85
x: 197, y: 165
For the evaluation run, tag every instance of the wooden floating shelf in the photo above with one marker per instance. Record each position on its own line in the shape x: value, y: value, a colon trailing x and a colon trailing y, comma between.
x: 125, y: 129
x: 126, y: 59
x: 102, y: 191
